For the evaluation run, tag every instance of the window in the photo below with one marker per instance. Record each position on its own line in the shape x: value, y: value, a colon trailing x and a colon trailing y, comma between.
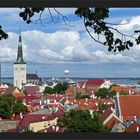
x: 22, y: 69
x: 16, y: 69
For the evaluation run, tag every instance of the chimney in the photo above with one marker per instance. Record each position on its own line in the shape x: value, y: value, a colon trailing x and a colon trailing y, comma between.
x: 57, y: 128
x: 86, y: 100
x: 129, y: 92
x: 48, y: 101
x: 137, y: 129
x: 40, y: 102
x: 45, y: 101
x: 43, y: 117
x: 21, y: 116
x: 135, y: 118
x: 53, y: 127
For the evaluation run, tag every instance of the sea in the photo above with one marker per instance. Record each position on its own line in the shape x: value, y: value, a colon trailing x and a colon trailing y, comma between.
x: 125, y: 81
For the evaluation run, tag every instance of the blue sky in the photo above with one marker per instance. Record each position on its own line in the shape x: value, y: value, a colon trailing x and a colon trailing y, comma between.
x: 57, y: 47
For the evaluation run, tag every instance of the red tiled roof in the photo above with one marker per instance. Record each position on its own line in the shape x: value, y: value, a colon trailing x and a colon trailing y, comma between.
x: 91, y: 103
x: 19, y: 95
x: 10, y: 90
x: 120, y: 88
x: 105, y: 115
x: 31, y: 89
x: 134, y: 127
x: 112, y: 122
x: 94, y: 82
x: 130, y: 106
x: 32, y: 118
x: 56, y: 97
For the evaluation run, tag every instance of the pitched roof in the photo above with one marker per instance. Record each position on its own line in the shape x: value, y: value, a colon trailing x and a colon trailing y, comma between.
x: 31, y: 89
x: 97, y: 82
x: 130, y: 106
x: 105, y: 115
x: 32, y: 76
x: 120, y: 88
x: 56, y: 97
x: 32, y: 118
x: 19, y: 95
x: 92, y: 104
x: 134, y: 127
x: 10, y: 90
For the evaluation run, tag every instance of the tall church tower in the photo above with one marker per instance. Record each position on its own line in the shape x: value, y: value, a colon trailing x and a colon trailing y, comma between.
x: 19, y: 67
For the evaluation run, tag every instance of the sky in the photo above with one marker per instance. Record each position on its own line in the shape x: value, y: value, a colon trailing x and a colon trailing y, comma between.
x: 54, y: 47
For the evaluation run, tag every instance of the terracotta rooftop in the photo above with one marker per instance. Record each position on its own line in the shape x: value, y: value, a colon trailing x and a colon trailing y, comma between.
x: 56, y: 97
x: 10, y: 90
x: 92, y: 104
x: 19, y: 95
x: 134, y: 127
x: 105, y: 115
x: 120, y: 88
x: 32, y: 118
x: 130, y: 106
x: 97, y: 82
x: 31, y: 89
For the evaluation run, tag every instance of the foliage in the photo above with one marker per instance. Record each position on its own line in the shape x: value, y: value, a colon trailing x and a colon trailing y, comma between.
x: 122, y: 92
x: 9, y: 99
x: 94, y: 21
x: 49, y: 90
x: 78, y: 95
x: 81, y: 121
x: 102, y: 108
x: 9, y: 105
x: 61, y: 88
x: 5, y: 110
x: 19, y: 108
x: 105, y: 93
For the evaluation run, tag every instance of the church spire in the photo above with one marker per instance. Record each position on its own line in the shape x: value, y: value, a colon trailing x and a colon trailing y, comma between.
x: 20, y: 54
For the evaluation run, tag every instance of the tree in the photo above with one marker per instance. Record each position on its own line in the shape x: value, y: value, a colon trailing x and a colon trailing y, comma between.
x: 19, y: 108
x: 122, y: 92
x: 94, y: 21
x: 61, y: 88
x: 9, y: 99
x: 81, y: 121
x: 105, y: 93
x: 5, y: 110
x: 78, y: 95
x: 48, y: 90
x: 102, y: 108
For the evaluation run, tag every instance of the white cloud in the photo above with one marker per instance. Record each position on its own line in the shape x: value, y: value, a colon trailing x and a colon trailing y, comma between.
x: 60, y: 46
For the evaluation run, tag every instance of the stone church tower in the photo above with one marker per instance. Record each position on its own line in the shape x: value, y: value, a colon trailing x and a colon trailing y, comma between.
x: 19, y: 67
